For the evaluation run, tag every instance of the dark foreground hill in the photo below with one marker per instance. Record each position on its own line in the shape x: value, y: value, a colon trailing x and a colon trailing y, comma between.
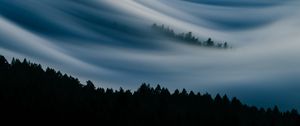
x: 29, y: 93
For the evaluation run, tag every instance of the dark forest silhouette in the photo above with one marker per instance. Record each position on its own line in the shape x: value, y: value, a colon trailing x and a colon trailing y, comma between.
x: 31, y: 93
x: 188, y: 37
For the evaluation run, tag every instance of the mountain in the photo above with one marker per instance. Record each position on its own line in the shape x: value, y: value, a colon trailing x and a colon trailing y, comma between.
x: 31, y: 94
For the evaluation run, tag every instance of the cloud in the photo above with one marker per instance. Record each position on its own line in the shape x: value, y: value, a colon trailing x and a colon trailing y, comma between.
x: 110, y: 42
x: 240, y: 3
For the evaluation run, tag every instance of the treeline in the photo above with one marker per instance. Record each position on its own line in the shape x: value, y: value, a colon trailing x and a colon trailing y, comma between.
x: 31, y: 93
x: 188, y: 37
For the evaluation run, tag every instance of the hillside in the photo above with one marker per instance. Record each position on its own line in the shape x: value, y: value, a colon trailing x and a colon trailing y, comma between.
x: 31, y: 93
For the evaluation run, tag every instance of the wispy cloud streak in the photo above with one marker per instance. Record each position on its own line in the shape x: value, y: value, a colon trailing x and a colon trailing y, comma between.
x: 110, y: 42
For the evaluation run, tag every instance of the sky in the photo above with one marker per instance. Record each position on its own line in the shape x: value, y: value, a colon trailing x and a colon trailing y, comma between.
x: 111, y: 43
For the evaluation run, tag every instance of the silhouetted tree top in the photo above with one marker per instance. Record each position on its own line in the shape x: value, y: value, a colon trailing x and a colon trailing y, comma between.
x: 157, y: 90
x: 225, y: 100
x: 144, y: 90
x: 188, y: 37
x: 121, y: 90
x: 184, y: 92
x: 209, y: 42
x: 176, y: 92
x: 89, y: 85
x: 191, y: 93
x: 165, y: 92
x: 3, y: 61
x: 218, y: 99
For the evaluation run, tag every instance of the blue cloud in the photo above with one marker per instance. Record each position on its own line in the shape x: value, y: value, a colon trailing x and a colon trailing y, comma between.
x: 111, y: 43
x: 240, y: 3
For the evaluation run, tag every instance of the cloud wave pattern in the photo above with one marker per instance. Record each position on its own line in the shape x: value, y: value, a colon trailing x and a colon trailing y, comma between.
x: 111, y: 43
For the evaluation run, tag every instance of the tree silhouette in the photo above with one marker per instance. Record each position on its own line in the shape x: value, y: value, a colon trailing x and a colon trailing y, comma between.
x: 31, y: 93
x: 157, y: 90
x: 187, y: 37
x: 89, y: 85
x: 3, y: 61
x: 209, y: 42
x: 225, y: 45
